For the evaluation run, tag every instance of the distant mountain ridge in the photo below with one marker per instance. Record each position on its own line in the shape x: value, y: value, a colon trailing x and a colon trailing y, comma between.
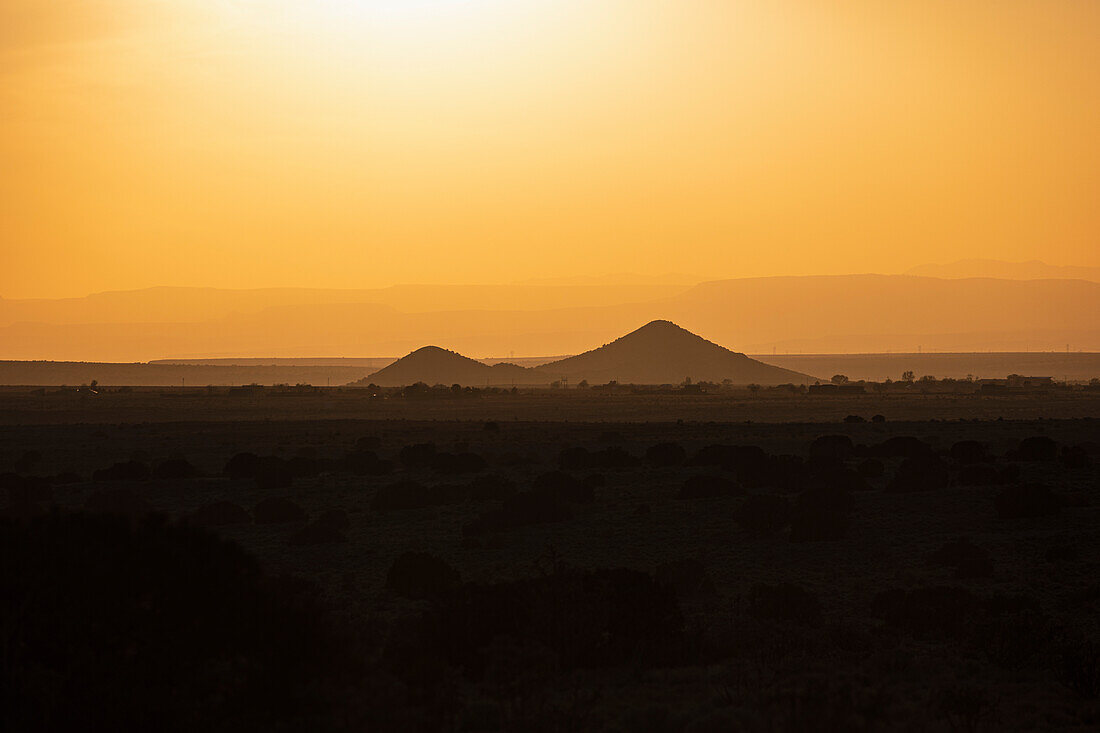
x: 1002, y: 270
x: 821, y: 314
x: 658, y: 353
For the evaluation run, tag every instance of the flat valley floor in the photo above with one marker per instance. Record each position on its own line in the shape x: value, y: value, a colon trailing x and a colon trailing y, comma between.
x: 555, y: 561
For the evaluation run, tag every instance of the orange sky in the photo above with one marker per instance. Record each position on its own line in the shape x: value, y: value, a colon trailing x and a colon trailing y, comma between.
x: 359, y: 143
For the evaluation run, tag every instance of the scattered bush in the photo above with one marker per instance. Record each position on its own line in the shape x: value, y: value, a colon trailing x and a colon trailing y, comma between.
x: 272, y: 472
x: 417, y: 456
x: 855, y: 419
x: 574, y: 459
x: 967, y: 452
x: 583, y: 619
x: 419, y: 575
x: 173, y: 629
x: 832, y: 447
x: 242, y: 466
x: 219, y: 514
x: 901, y: 446
x: 1035, y: 448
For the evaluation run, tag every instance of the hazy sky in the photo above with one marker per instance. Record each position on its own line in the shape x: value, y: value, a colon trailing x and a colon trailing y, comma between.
x: 359, y: 143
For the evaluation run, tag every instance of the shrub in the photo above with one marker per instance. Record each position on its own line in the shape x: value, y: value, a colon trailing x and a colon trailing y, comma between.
x: 832, y: 447
x: 574, y: 459
x: 924, y: 473
x: 1027, y: 501
x: 901, y: 446
x: 175, y: 468
x: 417, y: 456
x: 127, y: 471
x: 583, y: 619
x: 219, y: 514
x: 966, y: 452
x: 1035, y: 448
x: 763, y: 514
x: 613, y: 458
x: 152, y: 613
x: 785, y: 602
x: 666, y: 454
x: 278, y: 510
x: 855, y: 419
x: 878, y: 419
x: 242, y: 466
x: 419, y: 575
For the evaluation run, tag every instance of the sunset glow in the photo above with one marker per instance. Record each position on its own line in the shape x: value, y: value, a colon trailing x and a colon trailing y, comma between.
x: 344, y: 143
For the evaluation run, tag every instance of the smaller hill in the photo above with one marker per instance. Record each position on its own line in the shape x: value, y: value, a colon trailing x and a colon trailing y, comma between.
x: 433, y: 365
x: 663, y: 353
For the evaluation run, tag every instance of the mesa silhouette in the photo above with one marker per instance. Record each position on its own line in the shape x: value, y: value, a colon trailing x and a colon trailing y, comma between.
x: 658, y: 353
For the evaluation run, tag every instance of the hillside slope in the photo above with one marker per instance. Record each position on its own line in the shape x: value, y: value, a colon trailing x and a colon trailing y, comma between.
x: 663, y: 353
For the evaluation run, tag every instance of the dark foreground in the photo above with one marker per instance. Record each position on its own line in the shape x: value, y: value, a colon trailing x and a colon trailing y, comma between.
x: 500, y: 574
